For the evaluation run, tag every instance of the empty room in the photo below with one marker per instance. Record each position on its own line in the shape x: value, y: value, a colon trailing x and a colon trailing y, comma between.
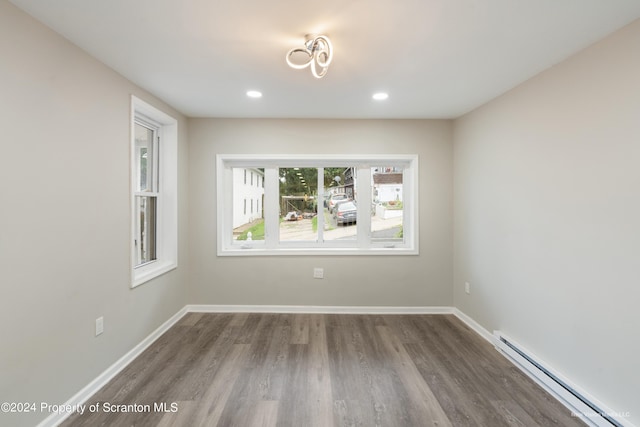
x: 366, y: 213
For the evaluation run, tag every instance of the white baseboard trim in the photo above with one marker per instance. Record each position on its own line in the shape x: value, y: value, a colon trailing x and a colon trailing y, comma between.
x: 475, y: 326
x: 316, y: 309
x: 90, y: 389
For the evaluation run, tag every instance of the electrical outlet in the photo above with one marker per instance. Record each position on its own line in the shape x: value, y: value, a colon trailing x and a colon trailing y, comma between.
x: 318, y: 273
x: 467, y: 287
x: 99, y: 325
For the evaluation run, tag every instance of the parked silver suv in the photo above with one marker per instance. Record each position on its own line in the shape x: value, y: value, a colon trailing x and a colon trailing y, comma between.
x: 335, y: 198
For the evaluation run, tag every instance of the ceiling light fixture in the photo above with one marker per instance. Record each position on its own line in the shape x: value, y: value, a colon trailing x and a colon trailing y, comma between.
x: 254, y: 94
x: 317, y: 52
x: 380, y: 96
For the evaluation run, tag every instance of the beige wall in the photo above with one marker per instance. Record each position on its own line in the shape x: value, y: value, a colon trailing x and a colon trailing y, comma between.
x: 423, y: 280
x: 547, y: 217
x: 64, y: 219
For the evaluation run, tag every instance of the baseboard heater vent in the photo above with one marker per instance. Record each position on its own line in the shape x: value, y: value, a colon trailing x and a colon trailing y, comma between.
x: 580, y: 405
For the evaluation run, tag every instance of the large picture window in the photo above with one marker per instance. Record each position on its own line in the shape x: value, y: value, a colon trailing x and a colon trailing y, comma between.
x: 154, y: 192
x: 364, y: 204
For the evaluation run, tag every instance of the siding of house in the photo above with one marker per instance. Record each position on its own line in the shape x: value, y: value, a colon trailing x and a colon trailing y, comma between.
x: 247, y: 196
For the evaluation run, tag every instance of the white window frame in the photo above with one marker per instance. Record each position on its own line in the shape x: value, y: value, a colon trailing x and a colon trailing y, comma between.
x: 167, y: 194
x: 271, y: 245
x: 150, y: 192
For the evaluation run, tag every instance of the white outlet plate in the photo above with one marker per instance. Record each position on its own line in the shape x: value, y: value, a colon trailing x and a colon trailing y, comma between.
x: 467, y: 287
x: 99, y: 325
x: 318, y: 273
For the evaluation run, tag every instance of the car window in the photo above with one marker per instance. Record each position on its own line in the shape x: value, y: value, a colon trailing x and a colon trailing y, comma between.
x: 346, y: 206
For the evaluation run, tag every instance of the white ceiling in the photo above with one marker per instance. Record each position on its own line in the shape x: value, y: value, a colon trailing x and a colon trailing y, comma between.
x: 435, y: 58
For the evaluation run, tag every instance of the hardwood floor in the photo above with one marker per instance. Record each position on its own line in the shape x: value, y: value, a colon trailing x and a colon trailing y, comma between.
x: 322, y: 370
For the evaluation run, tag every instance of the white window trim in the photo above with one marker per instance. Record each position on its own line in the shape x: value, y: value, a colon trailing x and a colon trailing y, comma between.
x: 226, y: 246
x: 167, y: 209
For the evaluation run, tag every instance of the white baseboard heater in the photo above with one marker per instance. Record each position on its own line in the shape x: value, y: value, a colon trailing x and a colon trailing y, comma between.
x: 580, y: 404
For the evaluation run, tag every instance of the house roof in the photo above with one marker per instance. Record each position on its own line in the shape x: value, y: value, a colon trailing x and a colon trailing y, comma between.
x: 387, y: 178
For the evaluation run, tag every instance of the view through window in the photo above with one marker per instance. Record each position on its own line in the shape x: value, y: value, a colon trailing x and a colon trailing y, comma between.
x: 146, y: 192
x: 321, y: 206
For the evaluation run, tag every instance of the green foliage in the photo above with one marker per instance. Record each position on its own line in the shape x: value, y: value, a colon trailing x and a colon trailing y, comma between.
x: 257, y: 232
x: 330, y: 175
x: 298, y: 181
x: 301, y: 181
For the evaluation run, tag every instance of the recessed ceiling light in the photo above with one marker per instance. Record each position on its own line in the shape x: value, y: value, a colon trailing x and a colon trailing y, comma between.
x: 380, y: 96
x: 254, y: 94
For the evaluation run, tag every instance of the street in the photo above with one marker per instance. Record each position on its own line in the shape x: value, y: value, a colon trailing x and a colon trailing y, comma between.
x: 303, y: 229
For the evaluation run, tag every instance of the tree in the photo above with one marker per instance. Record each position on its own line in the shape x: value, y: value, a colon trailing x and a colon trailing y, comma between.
x: 330, y: 175
x: 298, y: 181
x: 301, y: 181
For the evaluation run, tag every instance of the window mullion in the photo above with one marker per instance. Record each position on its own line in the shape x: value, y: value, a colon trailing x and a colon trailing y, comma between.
x: 363, y: 191
x: 320, y: 206
x: 271, y: 207
x: 226, y: 208
x: 410, y: 220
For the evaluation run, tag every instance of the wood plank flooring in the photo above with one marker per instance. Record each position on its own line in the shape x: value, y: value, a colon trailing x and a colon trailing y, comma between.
x: 322, y: 370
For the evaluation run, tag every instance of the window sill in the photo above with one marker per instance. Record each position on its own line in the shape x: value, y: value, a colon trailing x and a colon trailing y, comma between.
x: 258, y: 251
x: 150, y: 272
